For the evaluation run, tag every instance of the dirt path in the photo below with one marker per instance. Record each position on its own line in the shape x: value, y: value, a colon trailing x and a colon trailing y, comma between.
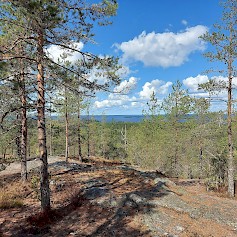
x: 15, y: 167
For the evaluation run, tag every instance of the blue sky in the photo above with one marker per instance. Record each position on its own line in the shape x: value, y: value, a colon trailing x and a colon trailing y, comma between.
x: 158, y: 43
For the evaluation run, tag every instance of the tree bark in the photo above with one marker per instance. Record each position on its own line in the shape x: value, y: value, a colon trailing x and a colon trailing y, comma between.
x: 44, y: 179
x: 231, y: 190
x: 18, y: 142
x: 23, y: 136
x: 66, y: 126
x: 50, y: 131
x: 79, y: 131
x: 23, y: 124
x: 88, y: 134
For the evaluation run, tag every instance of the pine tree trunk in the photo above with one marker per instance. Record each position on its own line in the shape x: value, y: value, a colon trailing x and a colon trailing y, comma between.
x: 23, y: 125
x: 50, y: 130
x: 88, y: 134
x: 66, y: 126
x: 18, y: 142
x: 79, y: 132
x: 231, y: 190
x: 200, y: 162
x: 51, y: 135
x: 44, y: 179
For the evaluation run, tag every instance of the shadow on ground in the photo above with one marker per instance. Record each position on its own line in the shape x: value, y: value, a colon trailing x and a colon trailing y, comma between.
x: 104, y: 204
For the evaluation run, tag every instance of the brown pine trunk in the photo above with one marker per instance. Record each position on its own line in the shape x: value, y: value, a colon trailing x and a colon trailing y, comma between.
x: 88, y: 134
x: 231, y: 190
x: 50, y: 130
x: 79, y: 132
x: 18, y: 142
x: 23, y: 142
x: 44, y: 179
x: 51, y: 136
x: 23, y: 124
x: 66, y: 126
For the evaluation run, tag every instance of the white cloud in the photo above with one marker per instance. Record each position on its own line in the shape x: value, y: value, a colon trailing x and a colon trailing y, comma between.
x: 124, y: 71
x: 192, y: 82
x: 164, y: 88
x: 118, y: 99
x: 107, y: 103
x: 126, y: 86
x: 157, y: 86
x: 184, y: 22
x: 115, y: 100
x: 56, y: 52
x: 134, y: 104
x: 164, y: 49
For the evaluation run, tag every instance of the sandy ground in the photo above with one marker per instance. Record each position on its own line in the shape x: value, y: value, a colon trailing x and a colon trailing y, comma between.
x: 15, y: 167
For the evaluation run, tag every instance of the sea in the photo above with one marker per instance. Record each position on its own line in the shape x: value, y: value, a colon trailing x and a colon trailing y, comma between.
x: 115, y: 118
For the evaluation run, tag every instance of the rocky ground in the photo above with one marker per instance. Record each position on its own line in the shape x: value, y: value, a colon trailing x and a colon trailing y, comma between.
x: 107, y: 198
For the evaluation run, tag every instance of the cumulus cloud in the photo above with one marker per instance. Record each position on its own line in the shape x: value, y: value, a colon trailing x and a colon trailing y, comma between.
x: 118, y: 99
x: 157, y: 86
x: 56, y: 52
x: 107, y: 103
x: 164, y: 49
x: 115, y: 100
x: 126, y: 86
x: 192, y: 82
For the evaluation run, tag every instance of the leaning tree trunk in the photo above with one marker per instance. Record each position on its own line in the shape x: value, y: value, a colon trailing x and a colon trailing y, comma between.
x: 44, y: 179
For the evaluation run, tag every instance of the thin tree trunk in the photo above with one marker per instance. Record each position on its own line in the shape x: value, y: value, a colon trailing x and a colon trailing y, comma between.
x: 176, y: 137
x: 231, y: 190
x: 175, y: 162
x: 79, y: 131
x: 28, y: 145
x: 200, y: 162
x: 88, y: 134
x: 44, y: 179
x: 50, y: 131
x: 23, y: 124
x: 66, y: 126
x: 18, y: 142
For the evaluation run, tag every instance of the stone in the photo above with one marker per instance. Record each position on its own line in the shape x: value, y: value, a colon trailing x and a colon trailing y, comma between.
x: 95, y: 192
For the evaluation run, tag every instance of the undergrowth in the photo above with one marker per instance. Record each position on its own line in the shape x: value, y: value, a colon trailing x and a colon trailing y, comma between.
x: 12, y: 195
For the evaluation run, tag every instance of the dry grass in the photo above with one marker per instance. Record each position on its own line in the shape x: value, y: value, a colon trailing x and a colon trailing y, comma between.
x: 12, y: 195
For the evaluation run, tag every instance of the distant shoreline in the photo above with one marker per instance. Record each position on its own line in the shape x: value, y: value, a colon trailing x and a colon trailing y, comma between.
x: 116, y: 118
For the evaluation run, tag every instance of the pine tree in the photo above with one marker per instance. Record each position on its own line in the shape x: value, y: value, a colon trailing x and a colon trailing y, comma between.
x: 60, y: 23
x: 177, y: 105
x: 224, y: 41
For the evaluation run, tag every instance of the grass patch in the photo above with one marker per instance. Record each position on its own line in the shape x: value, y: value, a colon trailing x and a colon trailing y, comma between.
x: 7, y: 201
x: 12, y: 195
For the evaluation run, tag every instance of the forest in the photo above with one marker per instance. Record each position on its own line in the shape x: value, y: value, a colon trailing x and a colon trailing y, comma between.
x: 43, y: 99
